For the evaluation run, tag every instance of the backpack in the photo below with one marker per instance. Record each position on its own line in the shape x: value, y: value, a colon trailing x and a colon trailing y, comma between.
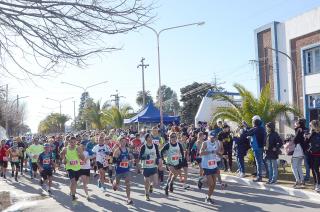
x: 315, y: 144
x: 289, y: 147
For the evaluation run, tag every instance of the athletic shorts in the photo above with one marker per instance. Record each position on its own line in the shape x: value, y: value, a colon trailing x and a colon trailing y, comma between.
x: 46, y: 173
x: 85, y: 172
x: 208, y: 172
x: 148, y: 172
x: 15, y: 164
x: 135, y: 156
x: 122, y: 175
x: 4, y: 164
x: 73, y: 174
x: 34, y: 167
x: 100, y: 166
x: 198, y: 160
x: 184, y: 163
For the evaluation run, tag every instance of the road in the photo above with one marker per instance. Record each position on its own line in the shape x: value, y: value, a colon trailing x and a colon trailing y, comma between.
x: 28, y: 196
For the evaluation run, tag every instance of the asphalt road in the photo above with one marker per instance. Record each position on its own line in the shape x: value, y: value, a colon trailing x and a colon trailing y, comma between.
x: 27, y: 196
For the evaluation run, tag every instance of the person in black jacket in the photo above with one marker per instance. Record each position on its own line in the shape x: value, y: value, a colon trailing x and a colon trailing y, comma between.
x: 314, y: 141
x: 242, y: 145
x: 225, y: 137
x: 272, y: 150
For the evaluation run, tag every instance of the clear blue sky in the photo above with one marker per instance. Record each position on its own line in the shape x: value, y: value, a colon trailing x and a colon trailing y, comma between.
x: 222, y: 46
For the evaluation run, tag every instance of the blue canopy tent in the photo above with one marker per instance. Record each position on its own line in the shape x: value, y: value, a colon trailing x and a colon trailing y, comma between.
x: 151, y: 114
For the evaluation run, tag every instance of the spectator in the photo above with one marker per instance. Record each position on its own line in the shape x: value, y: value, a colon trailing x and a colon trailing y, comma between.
x: 273, y: 145
x: 225, y: 137
x: 241, y: 146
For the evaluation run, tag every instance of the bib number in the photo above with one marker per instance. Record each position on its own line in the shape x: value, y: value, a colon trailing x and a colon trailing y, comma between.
x: 149, y: 162
x: 73, y: 162
x: 175, y: 158
x: 156, y: 142
x: 212, y: 164
x: 35, y: 157
x: 14, y: 159
x: 46, y: 161
x: 124, y: 164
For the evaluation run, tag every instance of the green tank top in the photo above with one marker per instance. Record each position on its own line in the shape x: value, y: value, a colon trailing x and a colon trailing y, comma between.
x: 73, y: 160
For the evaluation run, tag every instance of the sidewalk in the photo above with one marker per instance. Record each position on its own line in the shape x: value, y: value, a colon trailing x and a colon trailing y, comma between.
x: 279, y: 188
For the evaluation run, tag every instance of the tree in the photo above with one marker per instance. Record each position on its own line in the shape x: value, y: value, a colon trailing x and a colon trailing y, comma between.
x: 93, y: 113
x: 139, y: 99
x: 53, y: 33
x: 264, y: 106
x: 114, y: 117
x: 191, y: 97
x: 170, y: 103
x: 53, y: 123
x: 80, y: 119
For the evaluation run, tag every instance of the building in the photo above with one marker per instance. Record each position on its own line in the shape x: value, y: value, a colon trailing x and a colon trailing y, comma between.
x: 288, y: 58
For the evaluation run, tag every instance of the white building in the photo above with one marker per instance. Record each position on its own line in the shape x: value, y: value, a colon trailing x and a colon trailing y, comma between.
x: 288, y: 57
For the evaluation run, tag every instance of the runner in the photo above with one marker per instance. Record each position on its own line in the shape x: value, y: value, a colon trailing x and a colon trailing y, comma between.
x: 102, y: 154
x: 14, y: 155
x: 34, y: 151
x: 110, y: 144
x: 71, y: 156
x: 156, y: 139
x: 174, y: 152
x: 208, y: 154
x: 149, y: 156
x: 85, y: 169
x: 4, y: 158
x: 46, y: 165
x: 135, y: 145
x: 22, y: 146
x: 184, y: 141
x: 121, y: 159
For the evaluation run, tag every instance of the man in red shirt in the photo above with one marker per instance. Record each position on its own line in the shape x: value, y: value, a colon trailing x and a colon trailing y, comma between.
x: 135, y: 145
x: 3, y: 158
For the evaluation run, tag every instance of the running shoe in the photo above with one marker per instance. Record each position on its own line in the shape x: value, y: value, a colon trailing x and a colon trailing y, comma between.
x: 41, y: 182
x: 147, y: 197
x: 209, y: 200
x: 186, y: 186
x: 129, y: 202
x: 88, y: 198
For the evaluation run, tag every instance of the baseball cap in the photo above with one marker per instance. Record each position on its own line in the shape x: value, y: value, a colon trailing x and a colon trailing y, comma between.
x: 256, y: 117
x: 213, y: 134
x: 46, y: 145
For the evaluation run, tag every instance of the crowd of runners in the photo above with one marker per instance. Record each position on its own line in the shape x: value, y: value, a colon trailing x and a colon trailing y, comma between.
x: 161, y: 155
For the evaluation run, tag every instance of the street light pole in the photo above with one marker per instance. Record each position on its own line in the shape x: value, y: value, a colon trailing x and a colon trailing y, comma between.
x: 84, y: 90
x: 143, y: 66
x: 60, y: 101
x: 157, y: 33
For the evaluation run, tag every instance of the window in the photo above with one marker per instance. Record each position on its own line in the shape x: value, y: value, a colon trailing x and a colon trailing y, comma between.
x: 312, y: 60
x: 314, y: 101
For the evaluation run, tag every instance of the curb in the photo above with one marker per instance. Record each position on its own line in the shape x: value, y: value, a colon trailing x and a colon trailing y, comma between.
x: 313, y: 196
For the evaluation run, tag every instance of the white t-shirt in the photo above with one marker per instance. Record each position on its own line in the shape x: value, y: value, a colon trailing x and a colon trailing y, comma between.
x: 86, y: 164
x: 101, y: 152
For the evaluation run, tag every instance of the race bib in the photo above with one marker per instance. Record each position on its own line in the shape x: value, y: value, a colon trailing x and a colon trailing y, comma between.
x: 46, y: 161
x: 35, y: 157
x: 149, y: 162
x: 156, y: 142
x: 124, y: 164
x: 73, y: 162
x: 212, y: 163
x: 136, y: 149
x: 5, y: 158
x: 175, y: 157
x: 15, y: 159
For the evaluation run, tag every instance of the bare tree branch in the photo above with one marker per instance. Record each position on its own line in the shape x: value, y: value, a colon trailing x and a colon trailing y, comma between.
x: 50, y: 33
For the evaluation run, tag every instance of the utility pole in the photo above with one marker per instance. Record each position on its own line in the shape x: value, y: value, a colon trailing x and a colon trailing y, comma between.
x: 74, y: 113
x: 255, y: 66
x: 6, y: 116
x: 116, y: 99
x: 143, y: 66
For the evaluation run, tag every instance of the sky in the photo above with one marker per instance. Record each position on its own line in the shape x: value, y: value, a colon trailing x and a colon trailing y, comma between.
x: 221, y: 49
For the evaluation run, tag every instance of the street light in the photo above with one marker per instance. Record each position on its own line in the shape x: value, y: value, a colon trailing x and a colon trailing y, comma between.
x: 84, y: 90
x: 59, y: 101
x: 158, y: 51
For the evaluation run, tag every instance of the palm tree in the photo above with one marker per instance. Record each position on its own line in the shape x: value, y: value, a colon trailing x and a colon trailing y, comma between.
x: 93, y: 113
x: 264, y: 106
x: 114, y: 117
x: 139, y: 99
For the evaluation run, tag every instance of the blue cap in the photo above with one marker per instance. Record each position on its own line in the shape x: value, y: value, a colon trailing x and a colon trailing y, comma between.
x: 46, y: 145
x: 213, y: 134
x: 83, y: 142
